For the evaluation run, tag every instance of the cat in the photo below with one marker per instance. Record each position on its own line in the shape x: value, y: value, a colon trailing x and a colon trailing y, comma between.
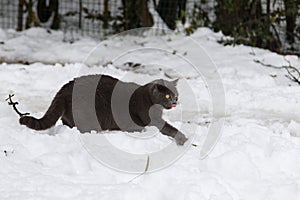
x: 101, y: 102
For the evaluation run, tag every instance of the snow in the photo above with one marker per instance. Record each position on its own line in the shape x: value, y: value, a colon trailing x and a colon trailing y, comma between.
x: 256, y: 157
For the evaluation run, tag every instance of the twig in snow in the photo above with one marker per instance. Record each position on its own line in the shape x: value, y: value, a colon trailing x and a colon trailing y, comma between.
x: 146, y: 169
x: 13, y: 104
x: 293, y: 72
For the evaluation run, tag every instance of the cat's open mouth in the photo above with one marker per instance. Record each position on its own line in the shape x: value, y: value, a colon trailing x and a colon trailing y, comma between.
x: 171, y: 106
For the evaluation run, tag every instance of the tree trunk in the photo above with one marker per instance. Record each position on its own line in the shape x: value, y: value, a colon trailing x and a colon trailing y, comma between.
x: 136, y: 14
x: 231, y: 14
x: 268, y: 11
x: 291, y: 9
x: 80, y: 14
x: 168, y: 11
x: 105, y: 14
x: 20, y: 15
x: 56, y: 20
x: 256, y: 10
x: 143, y: 13
x: 45, y: 11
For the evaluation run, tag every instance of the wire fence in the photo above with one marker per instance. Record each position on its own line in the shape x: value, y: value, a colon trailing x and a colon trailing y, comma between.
x: 91, y: 17
x: 8, y: 14
x: 100, y: 18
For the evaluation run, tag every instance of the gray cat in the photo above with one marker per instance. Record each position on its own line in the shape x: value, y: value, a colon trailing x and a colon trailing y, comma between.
x: 100, y: 102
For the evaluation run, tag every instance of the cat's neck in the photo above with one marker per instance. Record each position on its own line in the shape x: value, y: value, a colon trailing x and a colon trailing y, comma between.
x: 141, y: 98
x: 145, y: 95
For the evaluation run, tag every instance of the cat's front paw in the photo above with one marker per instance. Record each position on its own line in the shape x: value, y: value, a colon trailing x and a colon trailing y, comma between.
x: 180, y: 139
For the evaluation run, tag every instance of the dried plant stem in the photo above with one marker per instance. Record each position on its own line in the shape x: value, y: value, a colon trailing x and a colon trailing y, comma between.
x: 14, y: 105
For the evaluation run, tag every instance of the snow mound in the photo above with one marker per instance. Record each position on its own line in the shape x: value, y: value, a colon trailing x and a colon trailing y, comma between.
x: 257, y: 156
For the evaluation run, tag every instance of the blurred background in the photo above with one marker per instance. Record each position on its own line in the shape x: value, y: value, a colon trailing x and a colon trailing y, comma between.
x: 269, y: 24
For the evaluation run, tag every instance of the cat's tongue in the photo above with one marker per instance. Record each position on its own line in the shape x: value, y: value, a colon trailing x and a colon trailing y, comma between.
x: 173, y: 105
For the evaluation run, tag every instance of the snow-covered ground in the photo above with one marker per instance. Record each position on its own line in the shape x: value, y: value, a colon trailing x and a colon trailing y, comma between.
x: 256, y: 158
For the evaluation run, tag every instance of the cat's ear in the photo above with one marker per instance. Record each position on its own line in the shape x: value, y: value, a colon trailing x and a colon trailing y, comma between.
x: 157, y: 88
x: 160, y: 87
x: 159, y: 82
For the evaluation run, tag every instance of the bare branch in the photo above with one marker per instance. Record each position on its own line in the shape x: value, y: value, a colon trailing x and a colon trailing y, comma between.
x: 293, y: 72
x: 13, y: 104
x: 268, y: 65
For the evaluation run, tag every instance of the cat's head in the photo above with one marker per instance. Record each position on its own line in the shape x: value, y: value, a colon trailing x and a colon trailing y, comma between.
x: 164, y: 93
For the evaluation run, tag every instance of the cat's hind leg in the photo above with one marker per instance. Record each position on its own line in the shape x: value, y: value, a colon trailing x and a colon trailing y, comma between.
x: 67, y: 119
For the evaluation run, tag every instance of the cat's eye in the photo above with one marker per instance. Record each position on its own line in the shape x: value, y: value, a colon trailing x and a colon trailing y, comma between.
x: 167, y: 96
x: 176, y: 98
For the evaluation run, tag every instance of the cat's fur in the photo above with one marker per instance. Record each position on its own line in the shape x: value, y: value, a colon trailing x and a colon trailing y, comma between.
x: 100, y: 102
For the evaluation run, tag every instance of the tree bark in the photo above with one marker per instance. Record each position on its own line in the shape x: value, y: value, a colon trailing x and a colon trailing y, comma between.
x: 20, y: 15
x: 268, y: 11
x: 168, y: 11
x: 136, y: 14
x: 291, y: 9
x: 143, y: 13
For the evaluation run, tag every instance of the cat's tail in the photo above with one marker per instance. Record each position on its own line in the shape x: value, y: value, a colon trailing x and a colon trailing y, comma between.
x: 54, y: 112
